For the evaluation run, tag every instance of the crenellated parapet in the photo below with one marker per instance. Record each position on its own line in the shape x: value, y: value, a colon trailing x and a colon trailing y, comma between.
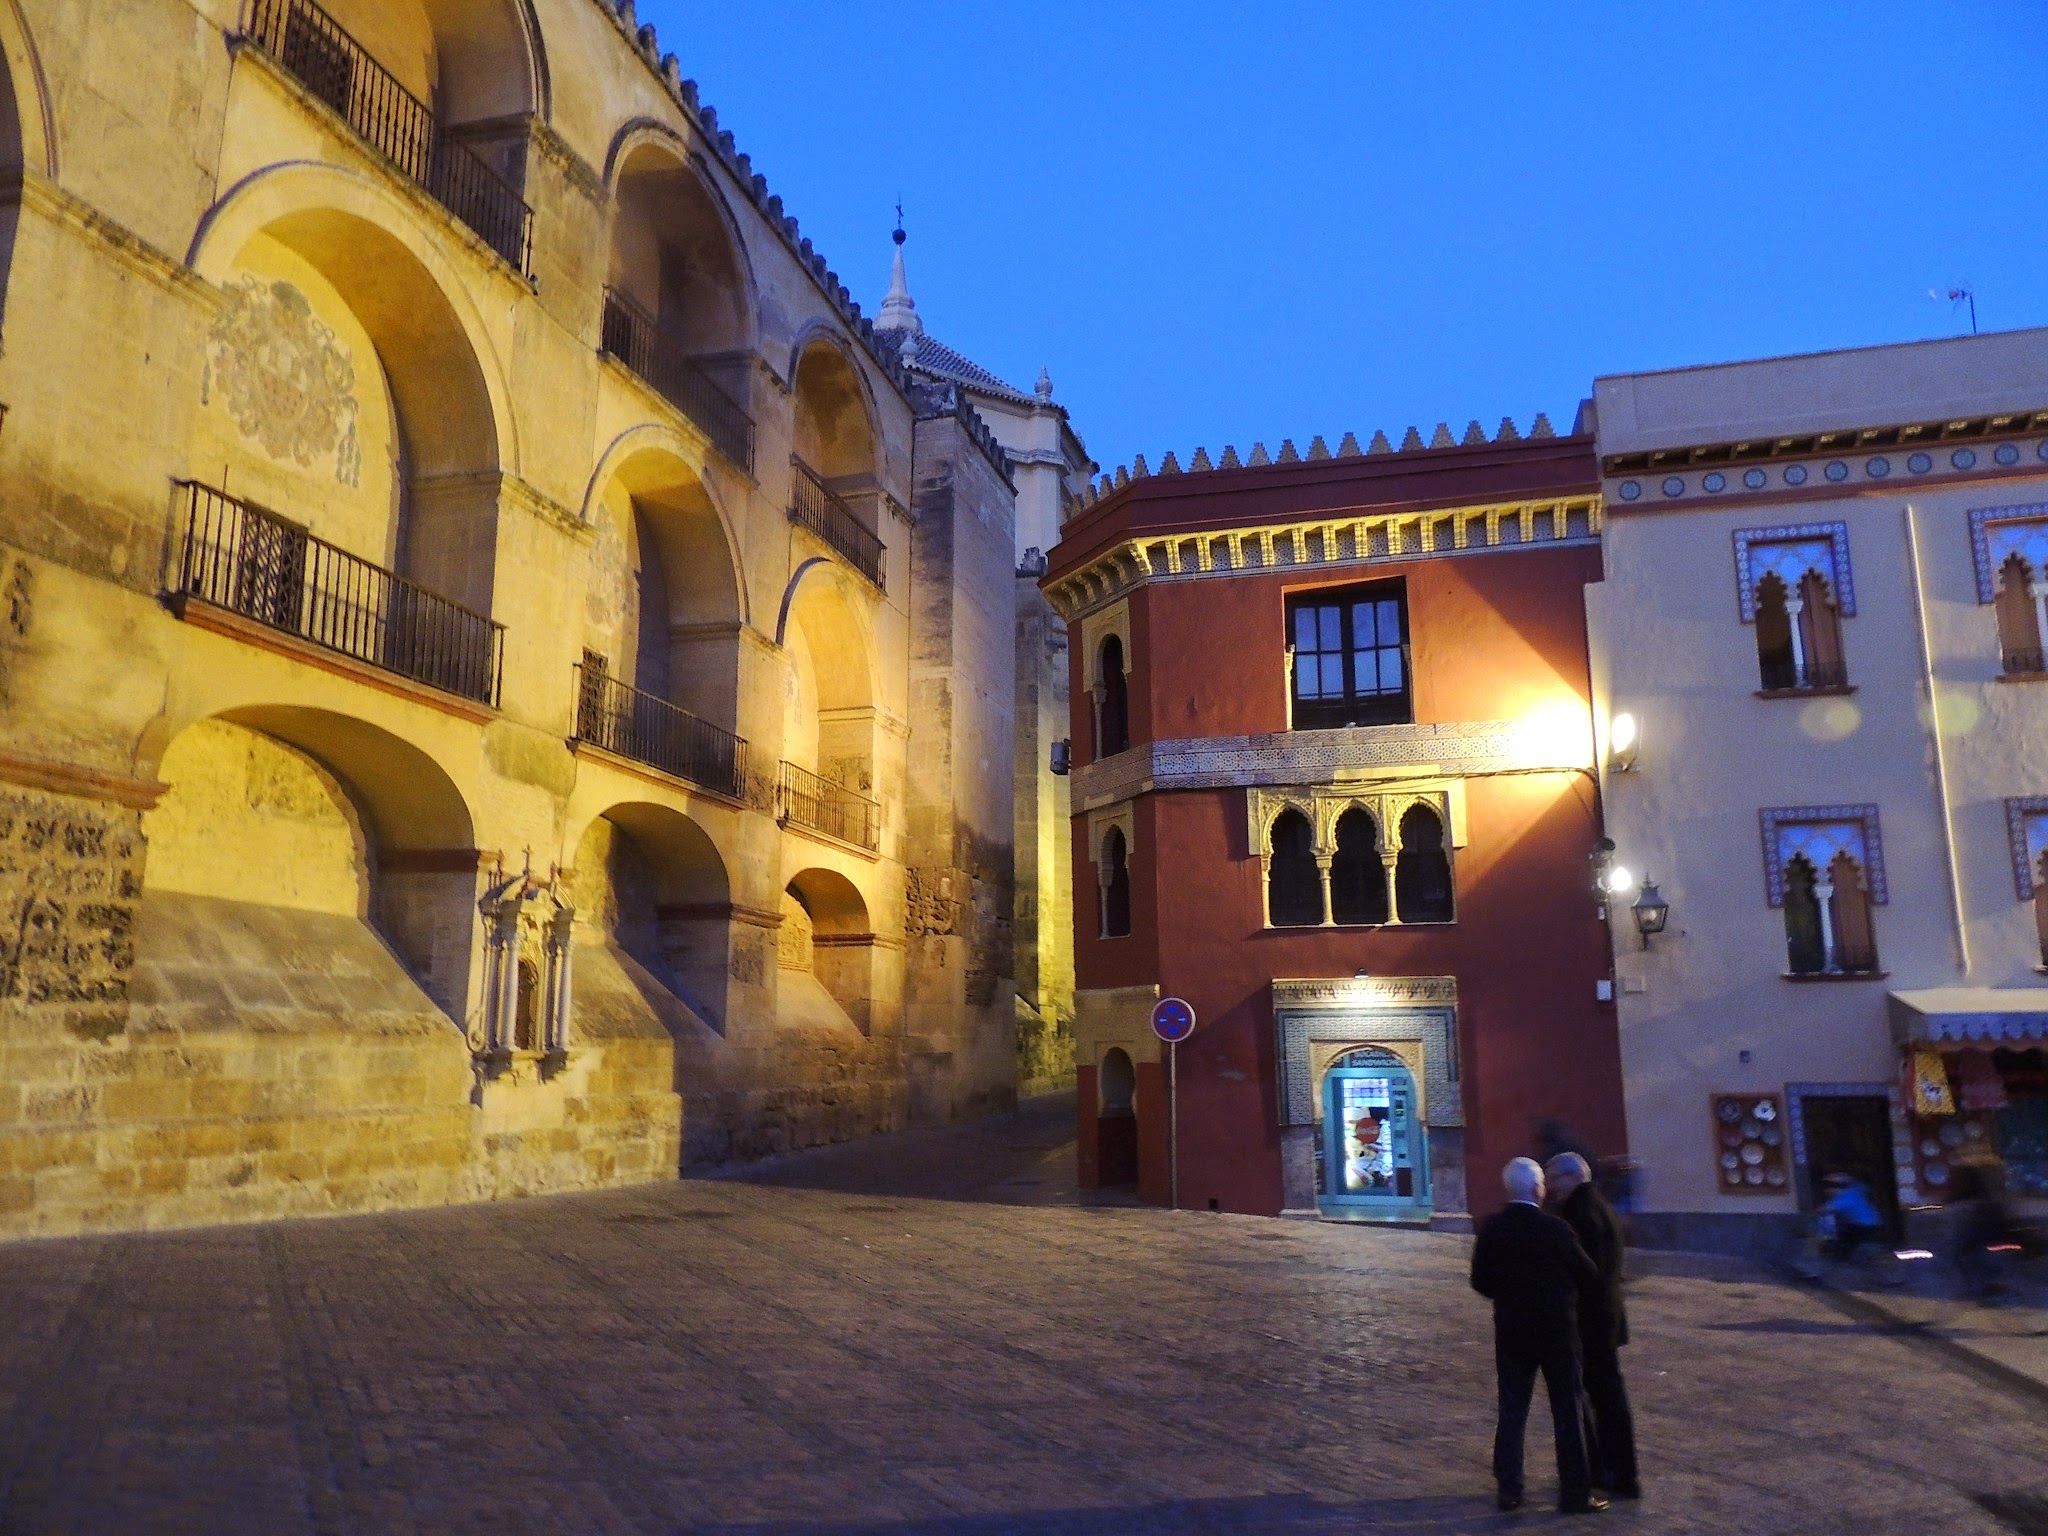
x: 1199, y: 462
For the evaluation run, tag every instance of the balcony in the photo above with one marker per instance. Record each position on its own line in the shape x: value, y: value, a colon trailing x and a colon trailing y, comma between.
x: 817, y: 803
x: 331, y: 64
x: 2020, y: 661
x: 813, y: 505
x: 631, y: 336
x: 650, y: 730
x: 251, y: 562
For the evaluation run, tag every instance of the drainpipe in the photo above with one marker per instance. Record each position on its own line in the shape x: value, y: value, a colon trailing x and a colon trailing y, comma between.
x: 1941, y: 794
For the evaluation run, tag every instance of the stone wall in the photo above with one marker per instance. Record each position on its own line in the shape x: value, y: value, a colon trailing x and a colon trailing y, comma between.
x: 267, y: 990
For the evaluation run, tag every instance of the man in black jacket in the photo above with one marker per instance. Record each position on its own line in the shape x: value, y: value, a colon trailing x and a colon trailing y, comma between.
x: 1603, y: 1322
x: 1528, y: 1264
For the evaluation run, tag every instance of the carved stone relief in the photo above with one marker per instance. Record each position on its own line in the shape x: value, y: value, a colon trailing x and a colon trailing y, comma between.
x: 284, y: 376
x: 69, y: 880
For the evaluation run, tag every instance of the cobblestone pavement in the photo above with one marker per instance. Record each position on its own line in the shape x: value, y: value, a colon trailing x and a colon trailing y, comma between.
x: 927, y: 1336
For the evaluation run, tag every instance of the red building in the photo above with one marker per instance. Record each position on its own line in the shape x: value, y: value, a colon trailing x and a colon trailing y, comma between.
x: 1333, y: 785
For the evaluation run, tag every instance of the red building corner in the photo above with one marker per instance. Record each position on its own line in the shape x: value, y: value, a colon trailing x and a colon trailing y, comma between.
x: 1333, y: 784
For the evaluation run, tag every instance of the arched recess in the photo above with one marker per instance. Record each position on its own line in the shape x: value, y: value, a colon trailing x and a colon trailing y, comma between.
x: 470, y: 76
x: 828, y: 723
x: 836, y: 441
x: 303, y: 811
x: 666, y: 597
x: 350, y: 388
x: 650, y: 885
x: 828, y: 938
x: 26, y: 143
x: 1116, y: 1124
x: 679, y: 291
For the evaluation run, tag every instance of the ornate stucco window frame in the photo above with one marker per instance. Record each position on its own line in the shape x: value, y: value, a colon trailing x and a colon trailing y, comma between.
x: 1821, y: 546
x: 2026, y: 832
x: 1420, y: 1012
x: 1324, y: 804
x: 1122, y: 818
x: 1096, y: 628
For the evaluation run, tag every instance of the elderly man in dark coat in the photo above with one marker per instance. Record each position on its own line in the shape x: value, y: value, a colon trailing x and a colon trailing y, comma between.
x: 1528, y: 1264
x: 1603, y: 1322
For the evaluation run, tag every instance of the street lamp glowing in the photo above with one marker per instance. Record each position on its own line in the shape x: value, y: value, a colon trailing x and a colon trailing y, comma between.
x: 1620, y: 880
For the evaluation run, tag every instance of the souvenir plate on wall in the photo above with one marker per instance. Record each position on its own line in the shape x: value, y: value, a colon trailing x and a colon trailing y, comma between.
x: 1749, y: 1147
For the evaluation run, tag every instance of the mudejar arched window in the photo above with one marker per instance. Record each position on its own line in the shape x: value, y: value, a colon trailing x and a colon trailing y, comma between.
x: 1113, y: 718
x: 1422, y: 870
x: 2020, y: 640
x: 1358, y: 876
x: 1115, y: 877
x: 1294, y: 886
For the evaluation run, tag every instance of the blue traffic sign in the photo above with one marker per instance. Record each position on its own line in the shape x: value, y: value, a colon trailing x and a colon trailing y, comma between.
x: 1173, y: 1019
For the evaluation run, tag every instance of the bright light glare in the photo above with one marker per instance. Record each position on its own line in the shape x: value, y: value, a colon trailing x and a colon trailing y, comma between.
x: 1911, y: 1253
x: 1554, y: 736
x: 1621, y: 880
x: 1621, y: 733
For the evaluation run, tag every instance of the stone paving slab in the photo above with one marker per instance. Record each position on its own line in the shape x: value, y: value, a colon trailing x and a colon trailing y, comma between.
x: 929, y: 1338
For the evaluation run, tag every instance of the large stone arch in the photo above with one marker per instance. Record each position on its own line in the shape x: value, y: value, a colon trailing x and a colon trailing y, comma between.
x: 28, y: 136
x: 827, y: 940
x: 837, y: 430
x: 649, y: 883
x: 289, y: 806
x: 395, y: 427
x: 667, y: 595
x: 664, y: 203
x: 27, y: 145
x: 826, y: 634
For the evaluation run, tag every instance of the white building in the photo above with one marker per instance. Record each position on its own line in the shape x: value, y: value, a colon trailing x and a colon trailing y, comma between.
x: 1824, y: 612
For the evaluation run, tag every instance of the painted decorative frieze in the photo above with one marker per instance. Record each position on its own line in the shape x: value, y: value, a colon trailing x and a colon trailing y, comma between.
x: 284, y: 376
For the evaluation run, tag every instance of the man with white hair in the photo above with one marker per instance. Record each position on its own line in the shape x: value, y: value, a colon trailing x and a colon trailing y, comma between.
x: 1528, y: 1264
x: 1603, y: 1322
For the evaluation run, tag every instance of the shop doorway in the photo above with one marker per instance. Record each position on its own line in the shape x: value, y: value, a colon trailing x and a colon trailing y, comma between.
x: 1116, y: 1119
x: 1375, y: 1148
x: 1852, y: 1134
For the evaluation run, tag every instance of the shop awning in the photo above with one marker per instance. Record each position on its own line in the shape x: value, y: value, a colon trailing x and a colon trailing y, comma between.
x: 1969, y: 1015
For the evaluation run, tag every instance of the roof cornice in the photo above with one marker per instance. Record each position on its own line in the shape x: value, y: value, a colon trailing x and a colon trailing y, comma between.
x: 1334, y: 540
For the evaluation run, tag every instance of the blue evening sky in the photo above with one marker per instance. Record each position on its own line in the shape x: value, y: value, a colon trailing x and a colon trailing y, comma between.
x: 1220, y: 223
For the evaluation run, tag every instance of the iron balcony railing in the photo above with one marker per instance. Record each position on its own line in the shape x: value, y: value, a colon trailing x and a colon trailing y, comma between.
x: 1808, y: 960
x: 814, y: 505
x: 631, y: 336
x: 823, y: 806
x: 249, y: 561
x: 2020, y: 662
x: 331, y: 64
x: 650, y: 730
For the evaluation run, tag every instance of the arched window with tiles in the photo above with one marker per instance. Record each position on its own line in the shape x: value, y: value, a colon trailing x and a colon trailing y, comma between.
x: 1825, y: 872
x: 1795, y: 591
x: 2026, y: 822
x: 2010, y: 547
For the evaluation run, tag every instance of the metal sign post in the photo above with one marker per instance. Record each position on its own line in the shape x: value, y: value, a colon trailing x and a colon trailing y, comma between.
x: 1173, y: 1020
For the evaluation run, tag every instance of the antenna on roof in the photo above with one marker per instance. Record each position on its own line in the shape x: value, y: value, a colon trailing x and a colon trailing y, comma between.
x: 1957, y: 294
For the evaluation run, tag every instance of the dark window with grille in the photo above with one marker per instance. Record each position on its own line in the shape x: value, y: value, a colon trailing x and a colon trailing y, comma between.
x: 1115, y: 735
x: 1116, y: 887
x: 1422, y: 869
x: 1350, y: 657
x: 1294, y: 886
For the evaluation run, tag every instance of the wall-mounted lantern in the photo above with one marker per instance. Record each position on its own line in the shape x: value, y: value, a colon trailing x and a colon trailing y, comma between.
x: 1651, y: 912
x: 1062, y: 756
x: 1624, y: 738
